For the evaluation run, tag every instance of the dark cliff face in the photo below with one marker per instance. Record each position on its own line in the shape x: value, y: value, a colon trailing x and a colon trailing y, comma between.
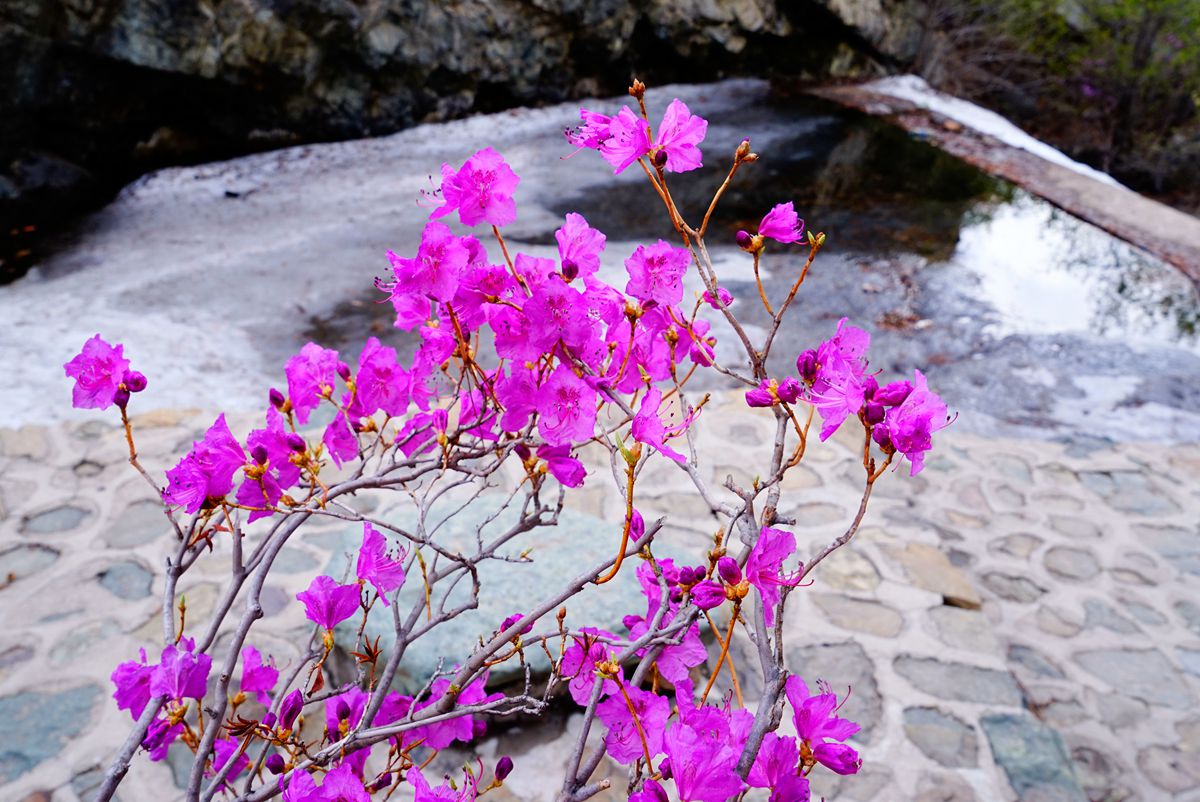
x: 96, y: 92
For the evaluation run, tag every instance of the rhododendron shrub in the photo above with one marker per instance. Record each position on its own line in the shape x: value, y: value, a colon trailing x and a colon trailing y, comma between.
x: 531, y: 365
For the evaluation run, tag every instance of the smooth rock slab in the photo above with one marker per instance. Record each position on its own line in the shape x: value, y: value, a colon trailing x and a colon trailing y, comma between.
x: 127, y: 580
x: 928, y: 567
x: 1033, y: 662
x: 958, y: 681
x: 1013, y: 588
x: 142, y: 522
x: 963, y: 629
x: 1078, y: 565
x: 39, y: 725
x: 858, y: 615
x: 942, y: 737
x: 1171, y: 769
x: 24, y: 560
x: 1127, y: 491
x: 1179, y: 546
x: 1144, y: 674
x: 1099, y: 614
x: 63, y: 518
x: 1018, y: 544
x: 1033, y: 758
x: 558, y: 554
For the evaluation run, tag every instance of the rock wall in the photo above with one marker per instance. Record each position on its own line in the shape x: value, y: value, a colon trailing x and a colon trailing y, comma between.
x: 95, y: 92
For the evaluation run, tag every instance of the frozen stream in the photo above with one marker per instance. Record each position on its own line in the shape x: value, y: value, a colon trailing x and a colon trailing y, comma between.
x: 1030, y: 321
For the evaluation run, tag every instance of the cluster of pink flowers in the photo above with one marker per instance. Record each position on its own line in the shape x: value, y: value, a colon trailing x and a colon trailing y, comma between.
x: 567, y: 344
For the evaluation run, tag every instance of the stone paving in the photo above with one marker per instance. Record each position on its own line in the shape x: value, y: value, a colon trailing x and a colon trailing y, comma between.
x: 1021, y: 621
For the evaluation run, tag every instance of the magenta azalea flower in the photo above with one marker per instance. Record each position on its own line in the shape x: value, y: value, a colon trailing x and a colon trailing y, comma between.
x: 327, y: 603
x: 704, y: 745
x: 566, y: 408
x: 98, y: 371
x: 300, y: 787
x: 777, y: 759
x: 310, y: 377
x: 224, y: 750
x: 341, y: 785
x: 770, y: 392
x: 562, y: 466
x: 910, y: 425
x: 206, y: 472
x: 463, y: 728
x: 764, y: 567
x: 838, y: 387
x: 340, y: 441
x: 279, y: 443
x: 579, y: 664
x: 159, y: 737
x: 627, y: 140
x: 133, y: 685
x: 816, y: 724
x: 446, y: 792
x: 782, y: 224
x: 579, y: 247
x: 481, y: 191
x: 648, y: 428
x: 181, y: 674
x: 261, y: 494
x: 257, y: 676
x: 622, y: 739
x: 557, y: 312
x: 656, y: 273
x: 592, y: 133
x: 724, y: 298
x: 374, y: 565
x: 381, y: 382
x: 436, y: 271
x: 679, y: 133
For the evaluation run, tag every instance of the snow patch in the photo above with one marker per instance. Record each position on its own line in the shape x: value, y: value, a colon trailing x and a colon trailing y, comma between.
x: 914, y: 89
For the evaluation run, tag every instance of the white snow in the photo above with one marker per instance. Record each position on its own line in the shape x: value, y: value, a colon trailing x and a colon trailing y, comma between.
x: 914, y: 89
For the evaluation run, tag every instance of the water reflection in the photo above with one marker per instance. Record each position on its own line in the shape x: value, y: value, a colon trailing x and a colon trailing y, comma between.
x: 1046, y: 272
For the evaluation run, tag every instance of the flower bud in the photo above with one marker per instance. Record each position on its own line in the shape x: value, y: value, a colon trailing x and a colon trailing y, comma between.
x: 343, y: 710
x: 384, y: 781
x: 504, y: 767
x: 276, y: 398
x: 788, y: 390
x: 569, y: 269
x: 259, y: 454
x: 744, y: 240
x: 275, y: 763
x: 289, y: 708
x: 269, y: 720
x: 729, y: 570
x: 873, y: 413
x: 743, y: 150
x: 660, y: 159
x: 296, y: 442
x: 664, y: 768
x: 894, y: 394
x: 870, y: 385
x: 343, y: 370
x: 708, y: 594
x: 686, y: 577
x: 135, y: 381
x: 806, y: 365
x: 882, y: 437
x: 522, y: 451
x: 121, y: 397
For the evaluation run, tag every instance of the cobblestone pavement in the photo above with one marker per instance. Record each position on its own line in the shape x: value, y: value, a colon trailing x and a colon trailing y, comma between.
x: 1021, y: 621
